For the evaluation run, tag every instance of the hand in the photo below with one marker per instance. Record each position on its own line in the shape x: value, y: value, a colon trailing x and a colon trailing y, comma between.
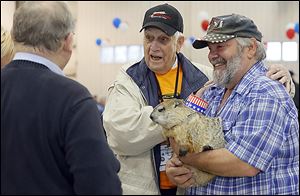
x: 207, y: 85
x: 188, y: 158
x: 178, y: 174
x: 282, y: 74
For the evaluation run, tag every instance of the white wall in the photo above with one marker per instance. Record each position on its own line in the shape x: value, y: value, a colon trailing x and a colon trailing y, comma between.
x: 7, y: 12
x: 94, y: 20
x: 97, y: 22
x: 270, y: 17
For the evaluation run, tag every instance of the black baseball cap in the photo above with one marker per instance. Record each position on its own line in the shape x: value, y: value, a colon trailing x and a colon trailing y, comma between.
x: 224, y: 28
x: 165, y: 17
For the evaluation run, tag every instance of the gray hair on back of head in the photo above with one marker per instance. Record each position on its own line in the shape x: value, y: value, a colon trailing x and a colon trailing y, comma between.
x: 260, y: 51
x: 42, y: 25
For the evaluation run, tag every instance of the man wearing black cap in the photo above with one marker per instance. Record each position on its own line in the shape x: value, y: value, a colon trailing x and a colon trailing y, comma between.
x: 163, y: 73
x: 260, y: 120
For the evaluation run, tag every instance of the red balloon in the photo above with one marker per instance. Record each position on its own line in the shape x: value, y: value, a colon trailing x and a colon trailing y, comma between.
x: 204, y: 24
x: 290, y: 33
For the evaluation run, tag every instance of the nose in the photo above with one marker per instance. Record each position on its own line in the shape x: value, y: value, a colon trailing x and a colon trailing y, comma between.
x: 214, y: 59
x: 151, y: 116
x: 154, y: 46
x: 212, y: 55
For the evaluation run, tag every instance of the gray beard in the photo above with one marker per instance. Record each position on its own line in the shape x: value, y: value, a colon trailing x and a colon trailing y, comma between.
x: 224, y: 77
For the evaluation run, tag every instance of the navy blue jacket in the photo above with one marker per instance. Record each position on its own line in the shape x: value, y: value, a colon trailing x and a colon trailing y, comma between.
x: 52, y: 139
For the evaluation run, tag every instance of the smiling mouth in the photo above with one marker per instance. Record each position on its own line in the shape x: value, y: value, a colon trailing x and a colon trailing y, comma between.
x: 218, y: 65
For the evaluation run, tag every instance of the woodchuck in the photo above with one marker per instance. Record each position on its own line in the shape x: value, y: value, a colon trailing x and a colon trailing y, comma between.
x: 193, y: 131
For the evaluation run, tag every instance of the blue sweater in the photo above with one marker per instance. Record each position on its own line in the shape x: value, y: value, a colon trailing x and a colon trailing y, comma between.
x: 52, y: 139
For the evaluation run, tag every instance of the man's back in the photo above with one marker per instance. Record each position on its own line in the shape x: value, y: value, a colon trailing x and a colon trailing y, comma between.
x: 51, y: 137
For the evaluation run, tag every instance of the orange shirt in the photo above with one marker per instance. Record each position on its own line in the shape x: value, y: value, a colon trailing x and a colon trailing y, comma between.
x: 167, y: 84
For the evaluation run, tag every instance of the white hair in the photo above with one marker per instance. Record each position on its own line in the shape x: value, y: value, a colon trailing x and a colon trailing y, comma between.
x: 260, y: 51
x: 177, y: 35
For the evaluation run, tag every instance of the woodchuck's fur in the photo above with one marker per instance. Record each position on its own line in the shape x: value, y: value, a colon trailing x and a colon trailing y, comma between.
x: 192, y: 131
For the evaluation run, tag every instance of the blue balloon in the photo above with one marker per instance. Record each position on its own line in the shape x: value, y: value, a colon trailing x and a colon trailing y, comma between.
x: 98, y: 42
x: 116, y: 22
x: 296, y: 28
x: 192, y: 39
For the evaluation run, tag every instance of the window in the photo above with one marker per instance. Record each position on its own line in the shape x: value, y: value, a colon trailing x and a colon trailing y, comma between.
x: 273, y: 51
x: 121, y: 54
x: 286, y: 51
x: 135, y: 53
x: 289, y: 51
x: 107, y: 55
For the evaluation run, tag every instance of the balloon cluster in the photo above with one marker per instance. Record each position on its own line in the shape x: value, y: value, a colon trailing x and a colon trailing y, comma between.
x: 118, y: 24
x: 101, y: 42
x: 292, y: 29
x: 204, y: 20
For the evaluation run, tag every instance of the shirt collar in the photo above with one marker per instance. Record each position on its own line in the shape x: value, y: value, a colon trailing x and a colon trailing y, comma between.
x: 176, y: 62
x: 257, y: 69
x: 39, y: 59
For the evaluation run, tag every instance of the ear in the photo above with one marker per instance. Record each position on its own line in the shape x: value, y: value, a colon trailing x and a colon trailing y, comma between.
x: 68, y: 42
x: 252, y: 48
x: 179, y: 43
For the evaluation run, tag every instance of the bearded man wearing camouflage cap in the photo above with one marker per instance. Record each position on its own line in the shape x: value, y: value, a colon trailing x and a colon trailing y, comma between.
x: 260, y: 120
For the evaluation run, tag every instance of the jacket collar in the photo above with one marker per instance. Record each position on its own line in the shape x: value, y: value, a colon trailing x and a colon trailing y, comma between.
x: 193, y: 79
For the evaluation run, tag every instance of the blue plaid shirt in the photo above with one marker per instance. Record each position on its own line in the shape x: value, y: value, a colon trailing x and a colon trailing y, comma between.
x: 260, y: 124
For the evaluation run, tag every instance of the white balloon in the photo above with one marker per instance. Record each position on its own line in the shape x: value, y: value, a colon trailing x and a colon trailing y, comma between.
x: 104, y: 43
x: 290, y: 26
x: 187, y: 43
x: 123, y: 26
x: 203, y: 15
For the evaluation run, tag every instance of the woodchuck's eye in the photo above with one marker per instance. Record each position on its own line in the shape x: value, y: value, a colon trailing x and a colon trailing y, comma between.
x: 161, y: 108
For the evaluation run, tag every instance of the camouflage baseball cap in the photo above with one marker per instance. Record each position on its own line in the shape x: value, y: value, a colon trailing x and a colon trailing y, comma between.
x: 223, y: 28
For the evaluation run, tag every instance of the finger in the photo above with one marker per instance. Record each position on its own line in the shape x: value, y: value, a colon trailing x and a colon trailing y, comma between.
x: 180, y: 171
x: 185, y: 181
x: 288, y: 86
x: 206, y: 86
x: 174, y: 162
x: 209, y: 82
x: 276, y: 68
x: 283, y: 80
x: 178, y: 175
x: 170, y: 163
x: 200, y: 92
x: 277, y: 75
x: 271, y: 71
x: 189, y: 183
x: 209, y: 85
